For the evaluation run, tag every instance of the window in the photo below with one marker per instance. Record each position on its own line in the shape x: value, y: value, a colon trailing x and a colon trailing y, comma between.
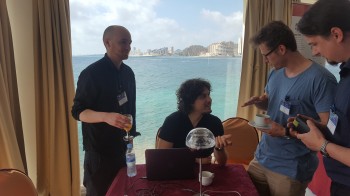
x: 172, y: 41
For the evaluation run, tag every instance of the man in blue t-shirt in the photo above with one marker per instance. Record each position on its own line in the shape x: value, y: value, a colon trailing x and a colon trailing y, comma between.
x: 327, y: 29
x: 283, y: 165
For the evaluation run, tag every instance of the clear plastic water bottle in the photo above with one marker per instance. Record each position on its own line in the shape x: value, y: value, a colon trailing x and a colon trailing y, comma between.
x: 130, y: 161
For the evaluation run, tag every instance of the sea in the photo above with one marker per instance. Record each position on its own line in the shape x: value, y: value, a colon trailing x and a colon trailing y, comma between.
x: 158, y: 78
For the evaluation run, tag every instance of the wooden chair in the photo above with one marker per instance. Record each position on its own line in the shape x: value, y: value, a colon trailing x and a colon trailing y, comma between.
x: 157, y: 138
x: 244, y: 140
x: 16, y: 183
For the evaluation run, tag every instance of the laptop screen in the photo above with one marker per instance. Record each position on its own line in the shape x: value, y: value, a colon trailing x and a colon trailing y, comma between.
x: 170, y: 164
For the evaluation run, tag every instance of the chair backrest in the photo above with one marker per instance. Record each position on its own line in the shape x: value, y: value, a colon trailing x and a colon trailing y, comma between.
x: 244, y: 140
x: 157, y: 138
x: 16, y: 183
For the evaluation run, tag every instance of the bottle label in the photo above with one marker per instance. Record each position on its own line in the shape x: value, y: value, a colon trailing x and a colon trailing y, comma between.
x: 130, y: 159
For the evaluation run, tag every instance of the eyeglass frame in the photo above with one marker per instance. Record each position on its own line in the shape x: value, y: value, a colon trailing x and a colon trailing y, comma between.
x: 272, y: 50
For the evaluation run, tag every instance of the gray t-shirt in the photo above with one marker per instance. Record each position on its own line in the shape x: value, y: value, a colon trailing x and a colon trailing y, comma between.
x: 309, y: 93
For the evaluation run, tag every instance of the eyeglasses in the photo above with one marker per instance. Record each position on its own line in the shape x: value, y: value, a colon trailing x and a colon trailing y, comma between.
x: 273, y: 49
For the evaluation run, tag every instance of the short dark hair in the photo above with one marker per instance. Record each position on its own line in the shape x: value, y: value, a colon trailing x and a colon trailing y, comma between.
x: 274, y: 34
x: 189, y: 91
x: 323, y: 15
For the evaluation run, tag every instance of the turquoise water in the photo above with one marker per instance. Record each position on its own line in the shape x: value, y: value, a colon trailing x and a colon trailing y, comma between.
x: 157, y: 79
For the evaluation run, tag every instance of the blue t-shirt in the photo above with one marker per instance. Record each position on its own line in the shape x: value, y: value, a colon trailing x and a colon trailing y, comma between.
x: 311, y: 92
x: 337, y: 171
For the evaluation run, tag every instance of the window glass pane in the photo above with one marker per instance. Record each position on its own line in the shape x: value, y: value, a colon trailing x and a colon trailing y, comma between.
x: 172, y: 41
x: 334, y: 70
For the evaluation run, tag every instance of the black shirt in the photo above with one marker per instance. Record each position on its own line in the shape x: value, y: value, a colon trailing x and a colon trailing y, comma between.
x: 97, y: 89
x: 337, y: 171
x: 177, y: 125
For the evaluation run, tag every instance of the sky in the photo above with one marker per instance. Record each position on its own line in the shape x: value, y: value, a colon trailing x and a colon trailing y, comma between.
x: 155, y: 24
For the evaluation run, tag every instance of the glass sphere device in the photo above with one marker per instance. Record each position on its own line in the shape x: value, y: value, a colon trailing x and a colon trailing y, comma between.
x: 201, y: 142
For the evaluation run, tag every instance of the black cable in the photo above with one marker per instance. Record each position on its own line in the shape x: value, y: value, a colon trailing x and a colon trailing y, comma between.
x: 222, y: 192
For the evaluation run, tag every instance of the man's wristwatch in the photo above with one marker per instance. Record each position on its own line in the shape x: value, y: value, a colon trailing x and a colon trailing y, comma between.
x: 323, y: 149
x: 287, y: 134
x: 218, y: 149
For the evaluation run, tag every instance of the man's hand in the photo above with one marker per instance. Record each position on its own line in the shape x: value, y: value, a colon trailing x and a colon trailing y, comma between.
x: 276, y: 129
x: 223, y: 141
x: 314, y: 138
x: 116, y: 120
x: 259, y: 101
x: 294, y: 133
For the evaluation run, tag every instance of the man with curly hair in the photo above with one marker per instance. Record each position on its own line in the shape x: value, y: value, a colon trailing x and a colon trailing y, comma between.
x: 194, y: 108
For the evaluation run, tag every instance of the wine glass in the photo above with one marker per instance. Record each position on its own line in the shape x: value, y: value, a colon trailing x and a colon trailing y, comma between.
x: 127, y: 128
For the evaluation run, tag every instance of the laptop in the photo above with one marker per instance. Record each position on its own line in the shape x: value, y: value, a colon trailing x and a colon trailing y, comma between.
x: 170, y: 164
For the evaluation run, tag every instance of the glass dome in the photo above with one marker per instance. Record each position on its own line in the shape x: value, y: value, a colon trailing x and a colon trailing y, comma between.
x: 201, y: 141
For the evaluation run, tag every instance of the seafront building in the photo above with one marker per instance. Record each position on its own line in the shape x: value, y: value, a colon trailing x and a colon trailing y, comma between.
x: 222, y: 49
x: 215, y: 49
x: 240, y: 47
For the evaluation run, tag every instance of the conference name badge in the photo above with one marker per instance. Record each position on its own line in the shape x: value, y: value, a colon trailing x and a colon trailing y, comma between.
x: 285, y: 107
x: 122, y: 98
x: 332, y: 122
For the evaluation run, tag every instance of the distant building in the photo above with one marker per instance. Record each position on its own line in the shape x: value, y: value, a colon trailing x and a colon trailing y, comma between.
x: 216, y: 49
x: 135, y: 52
x: 157, y: 52
x: 171, y: 50
x: 235, y: 49
x: 221, y: 49
x: 240, y: 47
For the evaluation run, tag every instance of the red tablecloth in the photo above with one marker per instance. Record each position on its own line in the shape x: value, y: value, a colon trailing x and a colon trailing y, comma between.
x: 229, y: 178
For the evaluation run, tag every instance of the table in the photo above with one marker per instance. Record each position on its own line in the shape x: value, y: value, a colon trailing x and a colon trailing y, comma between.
x: 229, y: 178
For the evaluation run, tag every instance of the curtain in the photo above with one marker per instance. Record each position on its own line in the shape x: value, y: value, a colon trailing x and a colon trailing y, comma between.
x: 11, y: 133
x: 254, y: 70
x: 288, y: 10
x: 57, y: 132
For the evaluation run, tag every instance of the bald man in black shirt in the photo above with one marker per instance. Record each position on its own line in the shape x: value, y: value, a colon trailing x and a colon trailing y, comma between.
x: 105, y: 91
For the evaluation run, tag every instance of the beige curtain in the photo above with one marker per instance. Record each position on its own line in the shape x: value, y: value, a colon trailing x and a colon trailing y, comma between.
x: 287, y: 11
x: 57, y: 137
x: 254, y: 70
x: 12, y: 153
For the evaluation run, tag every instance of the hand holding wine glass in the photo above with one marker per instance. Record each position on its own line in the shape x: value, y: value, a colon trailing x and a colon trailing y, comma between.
x: 127, y: 128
